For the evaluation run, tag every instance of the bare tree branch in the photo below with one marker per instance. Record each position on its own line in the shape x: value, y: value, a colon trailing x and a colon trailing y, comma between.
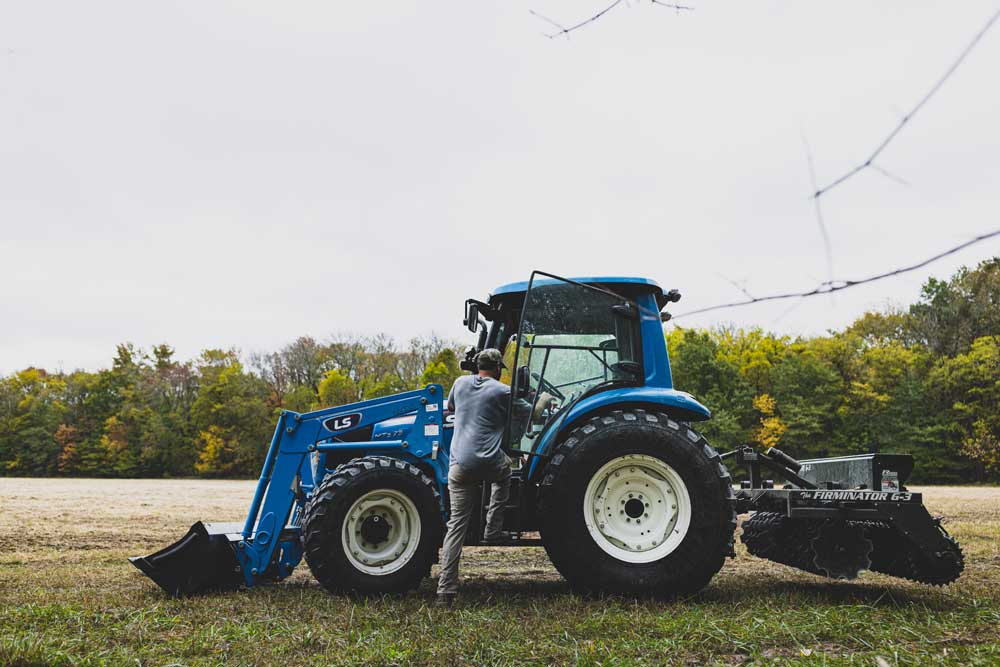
x: 564, y: 30
x: 679, y: 8
x: 908, y: 117
x: 891, y: 176
x: 736, y: 285
x: 830, y: 286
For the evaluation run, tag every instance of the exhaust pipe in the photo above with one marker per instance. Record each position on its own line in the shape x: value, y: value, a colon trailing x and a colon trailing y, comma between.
x: 203, y: 560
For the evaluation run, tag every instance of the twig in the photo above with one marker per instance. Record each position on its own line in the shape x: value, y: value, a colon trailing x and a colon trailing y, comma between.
x: 891, y: 176
x: 563, y: 30
x: 787, y: 311
x: 830, y: 286
x: 679, y: 8
x: 736, y: 285
x: 908, y: 117
x: 566, y: 31
x: 819, y: 211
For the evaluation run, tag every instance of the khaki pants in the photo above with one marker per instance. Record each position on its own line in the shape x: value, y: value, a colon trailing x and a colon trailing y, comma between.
x: 463, y: 486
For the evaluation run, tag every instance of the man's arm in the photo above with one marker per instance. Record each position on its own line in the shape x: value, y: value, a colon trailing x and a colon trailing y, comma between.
x: 451, y: 397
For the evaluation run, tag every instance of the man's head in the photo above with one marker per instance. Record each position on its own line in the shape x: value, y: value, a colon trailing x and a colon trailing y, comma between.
x: 489, y: 362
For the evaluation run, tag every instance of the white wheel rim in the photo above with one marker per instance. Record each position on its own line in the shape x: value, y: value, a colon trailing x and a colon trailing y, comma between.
x: 637, y: 508
x: 396, y: 549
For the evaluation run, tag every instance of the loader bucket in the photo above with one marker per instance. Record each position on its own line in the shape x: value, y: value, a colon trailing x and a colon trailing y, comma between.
x: 203, y: 560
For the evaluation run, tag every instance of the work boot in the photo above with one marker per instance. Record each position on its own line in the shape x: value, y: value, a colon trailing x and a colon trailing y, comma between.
x: 503, y: 537
x: 445, y: 600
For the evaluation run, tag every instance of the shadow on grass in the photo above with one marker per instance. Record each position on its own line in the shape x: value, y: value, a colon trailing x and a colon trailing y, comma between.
x: 771, y: 590
x: 774, y: 591
x: 825, y: 592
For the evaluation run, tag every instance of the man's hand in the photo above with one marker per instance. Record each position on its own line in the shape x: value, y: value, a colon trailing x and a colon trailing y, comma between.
x: 545, y: 400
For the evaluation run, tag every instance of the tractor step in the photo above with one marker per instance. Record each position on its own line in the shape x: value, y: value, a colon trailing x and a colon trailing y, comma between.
x: 203, y: 560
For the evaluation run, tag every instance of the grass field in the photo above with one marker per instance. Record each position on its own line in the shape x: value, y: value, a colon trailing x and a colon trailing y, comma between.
x: 69, y: 597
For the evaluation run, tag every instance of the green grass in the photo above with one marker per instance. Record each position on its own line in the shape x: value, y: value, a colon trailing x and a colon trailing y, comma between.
x: 68, y: 597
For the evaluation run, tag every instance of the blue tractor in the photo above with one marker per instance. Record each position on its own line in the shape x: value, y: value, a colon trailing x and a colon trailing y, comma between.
x: 610, y: 477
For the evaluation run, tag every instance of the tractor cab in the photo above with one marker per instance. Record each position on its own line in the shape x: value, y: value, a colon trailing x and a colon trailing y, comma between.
x: 564, y: 340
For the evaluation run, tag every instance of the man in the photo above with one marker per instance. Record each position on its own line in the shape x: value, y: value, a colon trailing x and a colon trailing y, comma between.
x: 479, y: 403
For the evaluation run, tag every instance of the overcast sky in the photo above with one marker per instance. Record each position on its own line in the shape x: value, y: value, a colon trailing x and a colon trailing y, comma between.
x: 215, y: 174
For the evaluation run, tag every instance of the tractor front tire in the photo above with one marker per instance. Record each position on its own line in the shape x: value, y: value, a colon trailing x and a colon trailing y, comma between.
x: 372, y: 527
x: 635, y: 502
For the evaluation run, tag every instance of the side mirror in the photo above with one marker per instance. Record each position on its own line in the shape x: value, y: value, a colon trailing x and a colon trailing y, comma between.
x: 472, y: 317
x: 522, y: 382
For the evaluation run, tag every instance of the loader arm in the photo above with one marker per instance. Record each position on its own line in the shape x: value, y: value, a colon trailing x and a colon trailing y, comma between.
x: 268, y: 547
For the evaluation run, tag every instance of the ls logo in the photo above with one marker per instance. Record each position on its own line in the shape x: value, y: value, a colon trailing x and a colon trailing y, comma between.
x: 343, y: 422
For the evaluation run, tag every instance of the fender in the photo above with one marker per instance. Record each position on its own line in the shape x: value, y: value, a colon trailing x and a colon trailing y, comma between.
x: 679, y: 404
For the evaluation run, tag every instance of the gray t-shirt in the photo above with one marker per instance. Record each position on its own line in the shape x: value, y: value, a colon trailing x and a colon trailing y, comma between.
x: 480, y: 408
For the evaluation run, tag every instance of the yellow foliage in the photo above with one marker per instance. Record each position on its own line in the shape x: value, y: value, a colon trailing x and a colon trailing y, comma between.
x: 337, y: 388
x: 982, y: 446
x: 764, y: 404
x: 771, y: 427
x: 217, y: 453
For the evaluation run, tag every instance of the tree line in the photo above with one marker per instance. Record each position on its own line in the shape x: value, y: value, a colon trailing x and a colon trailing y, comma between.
x: 151, y: 415
x: 923, y: 379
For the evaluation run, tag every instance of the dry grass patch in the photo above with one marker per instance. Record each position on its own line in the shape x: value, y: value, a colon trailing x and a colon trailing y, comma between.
x: 69, y: 597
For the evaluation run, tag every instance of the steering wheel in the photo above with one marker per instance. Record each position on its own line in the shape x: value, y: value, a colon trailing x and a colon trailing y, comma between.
x: 546, y: 386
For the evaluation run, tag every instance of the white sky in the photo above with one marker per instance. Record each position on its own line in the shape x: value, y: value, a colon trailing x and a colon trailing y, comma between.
x: 241, y: 173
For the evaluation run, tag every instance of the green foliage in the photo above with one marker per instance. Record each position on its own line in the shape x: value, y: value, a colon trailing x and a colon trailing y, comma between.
x: 951, y: 315
x: 231, y: 415
x: 918, y: 381
x: 967, y: 390
x: 442, y: 369
x: 337, y: 388
x: 923, y: 380
x: 32, y: 412
x: 149, y: 415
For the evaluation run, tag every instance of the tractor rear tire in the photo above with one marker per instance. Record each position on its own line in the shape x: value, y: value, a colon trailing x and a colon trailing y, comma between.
x: 373, y: 527
x: 635, y: 502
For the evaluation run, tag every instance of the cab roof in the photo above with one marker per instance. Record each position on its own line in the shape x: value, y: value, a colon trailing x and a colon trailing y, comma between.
x: 522, y: 286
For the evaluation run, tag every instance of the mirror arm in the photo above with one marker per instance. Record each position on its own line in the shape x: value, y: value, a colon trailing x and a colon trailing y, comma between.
x: 483, y: 331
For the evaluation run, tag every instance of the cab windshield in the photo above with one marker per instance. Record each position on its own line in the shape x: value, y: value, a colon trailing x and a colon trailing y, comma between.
x: 572, y: 339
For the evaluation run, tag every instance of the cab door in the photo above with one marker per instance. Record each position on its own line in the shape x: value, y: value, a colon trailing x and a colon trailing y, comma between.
x: 573, y: 340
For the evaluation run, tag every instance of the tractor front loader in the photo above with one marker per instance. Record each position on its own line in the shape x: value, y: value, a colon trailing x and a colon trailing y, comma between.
x: 625, y: 495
